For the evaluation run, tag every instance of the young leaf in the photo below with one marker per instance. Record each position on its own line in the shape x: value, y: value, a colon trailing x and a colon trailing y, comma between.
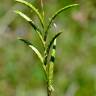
x: 55, y: 15
x: 34, y: 9
x: 31, y: 23
x: 33, y: 48
x: 28, y: 20
x: 42, y: 6
x: 49, y: 46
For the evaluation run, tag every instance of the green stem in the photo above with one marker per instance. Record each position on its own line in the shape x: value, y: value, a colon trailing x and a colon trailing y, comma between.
x: 49, y: 92
x: 41, y: 38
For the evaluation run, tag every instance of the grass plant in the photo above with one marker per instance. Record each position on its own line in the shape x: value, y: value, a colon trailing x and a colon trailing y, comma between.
x: 50, y: 48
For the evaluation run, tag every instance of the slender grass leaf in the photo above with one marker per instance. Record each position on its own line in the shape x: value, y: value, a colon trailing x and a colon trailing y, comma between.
x: 49, y: 47
x: 37, y: 52
x: 28, y: 20
x: 31, y: 23
x: 55, y: 15
x: 34, y: 9
x: 42, y: 6
x: 33, y: 48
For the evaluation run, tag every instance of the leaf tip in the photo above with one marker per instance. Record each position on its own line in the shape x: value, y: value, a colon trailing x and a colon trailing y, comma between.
x: 74, y: 5
x: 18, y: 38
x: 18, y: 0
x: 16, y: 11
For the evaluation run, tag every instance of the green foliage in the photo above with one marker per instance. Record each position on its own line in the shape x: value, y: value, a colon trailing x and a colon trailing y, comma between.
x: 33, y: 8
x: 28, y: 20
x: 55, y: 15
x: 33, y: 48
x: 21, y: 71
x: 49, y: 46
x: 47, y: 66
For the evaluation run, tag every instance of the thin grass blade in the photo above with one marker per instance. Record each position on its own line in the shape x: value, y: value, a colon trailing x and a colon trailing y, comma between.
x: 33, y: 48
x: 29, y: 20
x: 42, y: 6
x: 49, y: 47
x: 55, y: 15
x: 34, y: 9
x: 31, y: 23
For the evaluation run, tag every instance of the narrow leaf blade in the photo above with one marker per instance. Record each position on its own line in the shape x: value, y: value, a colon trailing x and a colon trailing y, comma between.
x: 33, y: 8
x: 27, y: 19
x: 61, y: 10
x: 23, y: 15
x: 49, y: 47
x: 33, y: 48
x: 52, y: 41
x: 31, y: 23
x: 55, y: 15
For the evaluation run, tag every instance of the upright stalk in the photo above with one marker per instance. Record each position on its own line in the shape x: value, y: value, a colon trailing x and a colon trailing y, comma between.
x: 47, y: 65
x: 48, y: 91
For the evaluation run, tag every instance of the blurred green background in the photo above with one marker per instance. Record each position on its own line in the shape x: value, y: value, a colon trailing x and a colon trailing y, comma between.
x: 75, y: 64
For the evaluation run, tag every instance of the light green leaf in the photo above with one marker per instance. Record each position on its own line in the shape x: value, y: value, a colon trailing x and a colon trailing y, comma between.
x: 34, y: 9
x: 23, y: 15
x: 61, y: 10
x: 55, y: 15
x: 28, y: 20
x: 31, y: 23
x: 33, y: 48
x: 37, y: 52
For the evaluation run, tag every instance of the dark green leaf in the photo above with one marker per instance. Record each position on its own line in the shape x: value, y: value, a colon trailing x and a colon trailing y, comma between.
x: 49, y: 46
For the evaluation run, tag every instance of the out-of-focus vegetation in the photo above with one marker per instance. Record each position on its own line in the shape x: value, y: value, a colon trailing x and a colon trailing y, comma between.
x: 75, y: 65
